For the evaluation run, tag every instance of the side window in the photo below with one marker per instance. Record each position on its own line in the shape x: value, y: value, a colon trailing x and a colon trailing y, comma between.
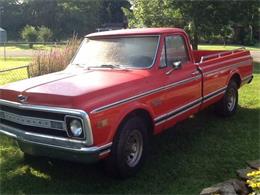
x: 176, y: 50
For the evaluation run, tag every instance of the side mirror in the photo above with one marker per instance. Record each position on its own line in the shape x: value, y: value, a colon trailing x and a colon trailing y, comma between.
x: 176, y: 65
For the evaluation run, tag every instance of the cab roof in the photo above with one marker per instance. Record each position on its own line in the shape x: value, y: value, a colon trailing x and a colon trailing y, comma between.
x: 136, y: 31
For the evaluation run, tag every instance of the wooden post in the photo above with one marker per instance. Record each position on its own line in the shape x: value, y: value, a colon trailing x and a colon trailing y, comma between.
x: 28, y: 71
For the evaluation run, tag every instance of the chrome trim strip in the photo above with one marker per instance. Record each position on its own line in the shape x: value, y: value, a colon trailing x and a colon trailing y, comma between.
x: 244, y: 63
x: 199, y: 102
x: 177, y: 114
x: 59, y: 110
x: 209, y: 98
x: 247, y: 77
x: 8, y: 134
x: 178, y: 109
x: 81, y: 150
x: 229, y: 60
x: 214, y: 92
x: 51, y: 138
x: 105, y: 152
x: 108, y: 106
x: 54, y: 138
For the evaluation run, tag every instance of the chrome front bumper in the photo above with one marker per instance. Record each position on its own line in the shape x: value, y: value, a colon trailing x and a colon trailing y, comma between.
x: 62, y: 148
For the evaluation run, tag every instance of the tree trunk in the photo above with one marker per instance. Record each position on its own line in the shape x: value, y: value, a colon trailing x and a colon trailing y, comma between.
x: 30, y: 45
x: 195, y: 37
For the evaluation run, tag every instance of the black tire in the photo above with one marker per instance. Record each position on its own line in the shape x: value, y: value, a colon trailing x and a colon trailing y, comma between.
x: 28, y: 157
x: 127, y: 157
x: 227, y: 106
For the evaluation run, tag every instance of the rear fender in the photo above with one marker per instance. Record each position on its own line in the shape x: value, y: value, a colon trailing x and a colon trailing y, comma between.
x: 233, y: 73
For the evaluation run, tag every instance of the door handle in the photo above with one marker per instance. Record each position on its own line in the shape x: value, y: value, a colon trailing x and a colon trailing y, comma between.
x: 195, y: 73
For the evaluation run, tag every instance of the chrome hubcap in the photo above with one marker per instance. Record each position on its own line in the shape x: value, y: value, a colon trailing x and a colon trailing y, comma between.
x: 231, y: 99
x: 134, y: 148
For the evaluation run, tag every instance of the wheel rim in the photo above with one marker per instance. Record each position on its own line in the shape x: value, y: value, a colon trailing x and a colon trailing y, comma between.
x: 231, y: 99
x: 134, y: 148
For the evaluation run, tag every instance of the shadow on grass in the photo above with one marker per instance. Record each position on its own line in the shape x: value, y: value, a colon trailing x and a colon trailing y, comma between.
x: 194, y: 154
x: 256, y: 67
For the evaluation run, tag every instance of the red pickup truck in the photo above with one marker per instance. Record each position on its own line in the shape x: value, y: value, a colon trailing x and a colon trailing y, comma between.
x: 120, y: 88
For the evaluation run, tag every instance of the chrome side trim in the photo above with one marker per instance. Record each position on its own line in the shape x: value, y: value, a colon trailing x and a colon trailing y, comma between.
x: 177, y: 114
x: 144, y: 94
x: 244, y: 63
x: 220, y: 93
x: 170, y: 115
x: 59, y: 110
x: 197, y: 101
x: 247, y: 77
x: 214, y: 93
x: 229, y: 60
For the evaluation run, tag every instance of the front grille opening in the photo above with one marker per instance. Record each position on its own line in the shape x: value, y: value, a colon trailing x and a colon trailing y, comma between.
x: 32, y: 113
x: 44, y: 131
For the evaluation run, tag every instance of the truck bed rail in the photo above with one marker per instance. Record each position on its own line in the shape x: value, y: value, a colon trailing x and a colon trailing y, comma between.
x: 220, y: 54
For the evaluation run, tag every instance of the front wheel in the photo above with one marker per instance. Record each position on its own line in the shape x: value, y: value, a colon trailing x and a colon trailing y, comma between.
x: 227, y: 106
x: 129, y: 148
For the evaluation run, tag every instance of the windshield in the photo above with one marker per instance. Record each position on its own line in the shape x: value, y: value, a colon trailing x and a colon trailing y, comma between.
x: 137, y: 52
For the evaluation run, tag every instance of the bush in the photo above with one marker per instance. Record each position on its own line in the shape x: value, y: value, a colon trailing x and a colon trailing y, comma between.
x: 254, y: 182
x: 45, y: 34
x: 29, y: 34
x: 45, y: 62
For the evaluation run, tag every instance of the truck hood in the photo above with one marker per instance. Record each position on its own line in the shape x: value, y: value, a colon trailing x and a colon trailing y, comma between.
x: 75, y: 88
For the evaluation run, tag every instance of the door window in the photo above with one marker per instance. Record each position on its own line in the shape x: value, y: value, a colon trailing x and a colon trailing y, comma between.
x: 175, y: 50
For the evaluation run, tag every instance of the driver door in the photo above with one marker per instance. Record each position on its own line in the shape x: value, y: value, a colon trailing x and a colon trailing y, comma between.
x: 183, y: 96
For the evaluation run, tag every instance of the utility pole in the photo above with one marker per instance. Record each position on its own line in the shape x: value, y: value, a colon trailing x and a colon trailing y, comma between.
x: 1, y: 11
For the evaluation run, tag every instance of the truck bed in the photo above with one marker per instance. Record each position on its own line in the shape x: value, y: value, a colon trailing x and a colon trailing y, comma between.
x: 208, y: 55
x: 217, y: 66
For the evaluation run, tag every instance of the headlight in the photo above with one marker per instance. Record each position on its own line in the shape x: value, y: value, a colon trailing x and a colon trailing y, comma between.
x: 76, y: 127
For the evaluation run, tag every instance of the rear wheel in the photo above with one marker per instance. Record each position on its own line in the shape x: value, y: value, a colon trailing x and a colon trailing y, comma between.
x: 129, y: 148
x: 227, y: 106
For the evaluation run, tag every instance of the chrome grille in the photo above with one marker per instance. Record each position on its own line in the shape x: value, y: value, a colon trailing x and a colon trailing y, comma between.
x: 43, y: 120
x: 33, y: 121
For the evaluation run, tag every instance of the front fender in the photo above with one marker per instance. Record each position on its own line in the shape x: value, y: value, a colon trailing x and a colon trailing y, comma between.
x: 114, y: 117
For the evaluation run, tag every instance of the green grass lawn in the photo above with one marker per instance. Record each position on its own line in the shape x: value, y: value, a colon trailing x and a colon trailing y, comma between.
x: 228, y: 47
x: 194, y: 154
x: 13, y: 75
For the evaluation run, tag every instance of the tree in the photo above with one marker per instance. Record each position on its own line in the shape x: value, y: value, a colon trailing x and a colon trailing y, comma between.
x: 30, y: 34
x: 45, y: 34
x: 198, y: 18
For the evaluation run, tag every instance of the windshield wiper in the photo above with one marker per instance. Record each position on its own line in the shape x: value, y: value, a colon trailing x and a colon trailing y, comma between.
x: 79, y: 65
x: 112, y: 66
